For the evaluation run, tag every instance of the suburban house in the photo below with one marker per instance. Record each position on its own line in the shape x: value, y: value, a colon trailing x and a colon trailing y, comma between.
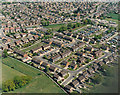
x: 89, y: 48
x: 24, y: 40
x: 59, y: 35
x: 35, y: 37
x: 17, y: 36
x: 104, y: 47
x: 95, y: 67
x: 37, y: 60
x: 100, y: 63
x: 10, y: 45
x: 69, y: 88
x: 81, y: 60
x: 97, y: 53
x: 68, y: 38
x: 56, y: 43
x: 106, y: 60
x: 90, y: 71
x: 65, y: 64
x: 18, y: 42
x: 44, y: 65
x: 75, y: 83
x: 21, y: 53
x: 65, y: 54
x: 56, y: 77
x: 73, y: 66
x: 47, y: 42
x: 37, y: 49
x: 52, y: 68
x: 44, y: 47
x: 85, y: 74
x: 55, y: 58
x: 81, y: 78
x: 63, y: 73
x: 79, y: 53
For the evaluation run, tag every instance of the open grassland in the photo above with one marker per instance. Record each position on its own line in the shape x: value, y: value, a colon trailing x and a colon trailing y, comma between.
x: 114, y: 20
x: 9, y: 73
x: 40, y: 82
x: 55, y: 26
x: 114, y: 16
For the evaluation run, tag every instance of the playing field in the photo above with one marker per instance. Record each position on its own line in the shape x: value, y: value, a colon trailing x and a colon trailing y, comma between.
x: 40, y: 82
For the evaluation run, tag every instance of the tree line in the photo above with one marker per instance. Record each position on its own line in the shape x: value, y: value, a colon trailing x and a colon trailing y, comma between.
x: 17, y: 82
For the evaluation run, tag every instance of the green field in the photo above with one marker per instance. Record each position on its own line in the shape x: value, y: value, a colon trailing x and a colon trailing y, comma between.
x: 9, y: 73
x: 114, y: 16
x: 114, y: 20
x: 55, y: 26
x: 40, y: 82
x: 109, y: 84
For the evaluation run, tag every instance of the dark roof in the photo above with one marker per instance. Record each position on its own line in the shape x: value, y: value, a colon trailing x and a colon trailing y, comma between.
x: 36, y: 60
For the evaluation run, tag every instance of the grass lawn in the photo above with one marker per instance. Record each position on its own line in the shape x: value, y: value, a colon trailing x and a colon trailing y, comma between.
x: 40, y: 82
x: 114, y: 20
x: 114, y: 16
x: 55, y: 26
x: 9, y: 73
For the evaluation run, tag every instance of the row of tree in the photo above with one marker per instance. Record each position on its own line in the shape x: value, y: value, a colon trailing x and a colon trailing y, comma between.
x: 69, y: 27
x: 16, y: 83
x: 45, y: 23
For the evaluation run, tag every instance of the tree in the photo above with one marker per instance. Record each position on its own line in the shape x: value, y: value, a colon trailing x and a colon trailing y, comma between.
x: 75, y: 26
x: 78, y: 24
x: 46, y: 69
x: 69, y: 26
x: 63, y: 28
x: 5, y: 53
